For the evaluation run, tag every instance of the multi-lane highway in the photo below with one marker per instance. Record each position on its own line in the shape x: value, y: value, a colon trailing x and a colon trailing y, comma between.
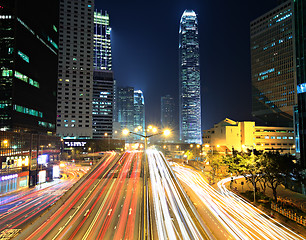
x: 23, y: 207
x: 227, y: 212
x: 173, y: 216
x: 107, y: 205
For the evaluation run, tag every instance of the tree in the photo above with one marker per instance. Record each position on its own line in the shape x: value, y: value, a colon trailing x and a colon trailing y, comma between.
x: 247, y: 165
x: 277, y: 169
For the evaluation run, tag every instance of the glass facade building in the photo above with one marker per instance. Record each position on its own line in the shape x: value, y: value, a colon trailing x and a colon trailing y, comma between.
x: 102, y: 105
x: 139, y: 111
x: 28, y: 66
x: 189, y: 79
x: 272, y: 64
x: 125, y: 107
x: 300, y: 48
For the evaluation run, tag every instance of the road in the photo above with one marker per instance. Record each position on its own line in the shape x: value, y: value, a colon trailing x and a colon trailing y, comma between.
x: 228, y: 212
x: 24, y: 207
x: 107, y: 205
x: 174, y: 215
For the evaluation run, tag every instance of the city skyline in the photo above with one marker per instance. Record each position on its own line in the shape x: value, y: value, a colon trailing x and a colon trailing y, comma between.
x: 225, y: 61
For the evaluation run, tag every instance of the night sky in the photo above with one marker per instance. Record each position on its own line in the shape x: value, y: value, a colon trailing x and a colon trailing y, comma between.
x: 145, y: 52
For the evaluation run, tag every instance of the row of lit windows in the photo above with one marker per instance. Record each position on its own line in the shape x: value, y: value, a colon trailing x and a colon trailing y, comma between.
x: 9, y: 73
x: 275, y: 137
x: 29, y: 111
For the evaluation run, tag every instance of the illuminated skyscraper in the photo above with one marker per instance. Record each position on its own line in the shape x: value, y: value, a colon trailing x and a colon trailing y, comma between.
x: 189, y: 79
x: 103, y: 78
x: 125, y: 107
x: 272, y: 64
x: 139, y: 110
x: 28, y: 66
x: 102, y: 41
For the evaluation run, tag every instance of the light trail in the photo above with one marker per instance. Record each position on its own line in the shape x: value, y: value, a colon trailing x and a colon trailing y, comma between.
x: 173, y: 220
x: 241, y: 219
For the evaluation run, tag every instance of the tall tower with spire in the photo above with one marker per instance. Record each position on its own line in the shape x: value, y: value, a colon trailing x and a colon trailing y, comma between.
x: 189, y: 79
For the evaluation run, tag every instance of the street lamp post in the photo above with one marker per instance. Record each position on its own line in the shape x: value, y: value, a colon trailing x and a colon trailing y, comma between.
x: 146, y: 137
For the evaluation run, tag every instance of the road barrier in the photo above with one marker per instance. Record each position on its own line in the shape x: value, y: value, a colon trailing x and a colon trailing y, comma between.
x: 289, y: 214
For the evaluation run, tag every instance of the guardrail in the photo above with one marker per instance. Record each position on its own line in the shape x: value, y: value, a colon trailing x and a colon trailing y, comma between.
x: 289, y: 214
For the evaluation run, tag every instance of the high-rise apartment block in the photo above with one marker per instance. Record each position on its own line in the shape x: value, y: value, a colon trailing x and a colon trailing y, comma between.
x: 75, y: 69
x: 28, y: 66
x: 272, y: 63
x: 189, y: 79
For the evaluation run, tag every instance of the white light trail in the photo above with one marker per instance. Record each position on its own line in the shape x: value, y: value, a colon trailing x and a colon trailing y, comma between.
x: 240, y: 218
x: 173, y: 220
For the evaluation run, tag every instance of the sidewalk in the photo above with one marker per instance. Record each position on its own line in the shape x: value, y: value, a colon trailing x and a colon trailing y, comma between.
x: 11, y: 196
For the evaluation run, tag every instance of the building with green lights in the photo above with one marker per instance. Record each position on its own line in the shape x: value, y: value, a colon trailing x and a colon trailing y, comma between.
x: 28, y: 66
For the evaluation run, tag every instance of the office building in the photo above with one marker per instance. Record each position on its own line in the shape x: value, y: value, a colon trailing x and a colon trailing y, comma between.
x: 169, y: 116
x: 28, y: 66
x: 103, y: 78
x: 189, y: 79
x: 272, y: 64
x: 102, y: 41
x: 300, y: 109
x: 75, y: 69
x: 240, y: 136
x: 125, y: 107
x: 139, y: 111
x: 103, y: 99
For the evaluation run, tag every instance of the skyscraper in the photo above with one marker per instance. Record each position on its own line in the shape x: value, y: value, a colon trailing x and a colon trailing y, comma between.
x: 139, y: 110
x: 125, y: 107
x: 28, y: 66
x: 102, y: 41
x: 102, y: 105
x: 189, y: 79
x: 168, y: 115
x: 300, y: 48
x: 272, y: 63
x: 103, y: 79
x: 75, y: 73
x: 167, y: 112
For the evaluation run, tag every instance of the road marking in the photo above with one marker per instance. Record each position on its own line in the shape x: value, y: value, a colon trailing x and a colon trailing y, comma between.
x: 110, y: 211
x: 86, y: 212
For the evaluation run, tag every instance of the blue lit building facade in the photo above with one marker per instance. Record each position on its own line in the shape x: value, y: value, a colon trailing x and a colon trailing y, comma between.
x: 139, y: 111
x: 272, y: 65
x: 189, y: 79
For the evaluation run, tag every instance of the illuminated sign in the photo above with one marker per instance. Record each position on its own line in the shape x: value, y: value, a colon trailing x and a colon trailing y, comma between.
x: 42, y: 159
x: 8, y: 177
x: 42, y: 176
x: 75, y: 144
x: 301, y: 88
x: 56, y: 171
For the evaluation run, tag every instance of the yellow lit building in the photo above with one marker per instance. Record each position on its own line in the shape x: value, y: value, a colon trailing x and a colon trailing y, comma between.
x: 228, y: 134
